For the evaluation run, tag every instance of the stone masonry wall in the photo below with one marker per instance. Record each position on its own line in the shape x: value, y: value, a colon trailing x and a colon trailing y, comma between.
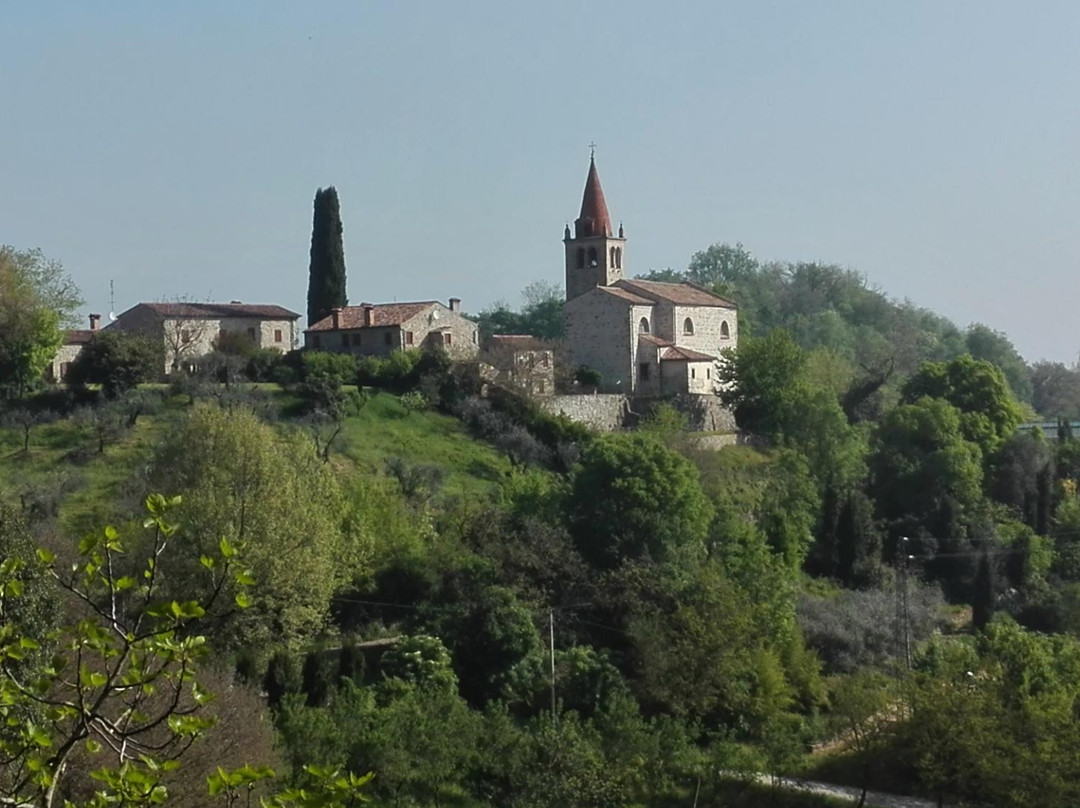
x: 604, y: 412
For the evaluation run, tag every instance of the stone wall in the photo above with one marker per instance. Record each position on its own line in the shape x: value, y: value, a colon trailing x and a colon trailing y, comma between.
x: 601, y: 333
x: 704, y: 413
x: 606, y: 412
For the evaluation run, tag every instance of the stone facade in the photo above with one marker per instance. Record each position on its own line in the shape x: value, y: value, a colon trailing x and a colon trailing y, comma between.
x: 189, y: 331
x: 378, y: 330
x: 520, y: 362
x: 644, y: 338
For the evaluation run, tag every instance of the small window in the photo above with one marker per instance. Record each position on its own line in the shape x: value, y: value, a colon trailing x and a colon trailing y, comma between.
x: 357, y: 339
x: 644, y: 371
x: 277, y: 335
x: 447, y: 338
x: 186, y: 336
x: 592, y: 256
x: 708, y: 373
x: 618, y: 258
x: 643, y: 325
x: 725, y: 332
x: 544, y: 361
x: 251, y: 333
x: 693, y: 373
x: 64, y: 368
x: 581, y: 258
x: 474, y: 337
x: 388, y: 338
x: 408, y: 338
x: 345, y: 340
x: 611, y: 257
x: 316, y: 341
x: 540, y: 386
x: 688, y: 327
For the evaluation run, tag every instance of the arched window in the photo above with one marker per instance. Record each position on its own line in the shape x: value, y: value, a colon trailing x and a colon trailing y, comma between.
x: 580, y: 257
x: 618, y: 258
x: 643, y: 326
x: 725, y: 332
x: 611, y: 257
x: 688, y: 327
x: 592, y: 256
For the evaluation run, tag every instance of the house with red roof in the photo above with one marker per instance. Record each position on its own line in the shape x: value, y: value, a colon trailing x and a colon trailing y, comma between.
x: 377, y: 329
x: 644, y: 338
x: 189, y: 331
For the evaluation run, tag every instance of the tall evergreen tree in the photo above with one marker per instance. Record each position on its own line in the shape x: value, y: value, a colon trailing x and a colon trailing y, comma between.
x: 982, y: 604
x: 326, y: 276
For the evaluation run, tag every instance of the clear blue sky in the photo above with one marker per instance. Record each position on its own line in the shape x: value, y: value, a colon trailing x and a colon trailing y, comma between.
x: 176, y: 147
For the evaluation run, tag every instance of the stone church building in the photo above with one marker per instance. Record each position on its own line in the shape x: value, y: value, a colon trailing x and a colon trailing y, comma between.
x: 644, y: 338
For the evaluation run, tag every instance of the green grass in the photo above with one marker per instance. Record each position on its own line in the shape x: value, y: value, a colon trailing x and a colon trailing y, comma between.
x: 385, y: 429
x: 64, y: 454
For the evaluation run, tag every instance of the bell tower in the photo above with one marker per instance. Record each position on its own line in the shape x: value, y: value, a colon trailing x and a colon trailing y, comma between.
x: 594, y: 257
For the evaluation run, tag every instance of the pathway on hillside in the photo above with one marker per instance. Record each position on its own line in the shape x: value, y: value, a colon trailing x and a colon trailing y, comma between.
x: 874, y: 799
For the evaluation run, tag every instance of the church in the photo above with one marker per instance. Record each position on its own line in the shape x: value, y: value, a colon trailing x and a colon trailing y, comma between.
x: 644, y: 338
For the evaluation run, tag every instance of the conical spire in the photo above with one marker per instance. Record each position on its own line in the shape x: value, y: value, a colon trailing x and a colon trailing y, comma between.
x: 594, y: 219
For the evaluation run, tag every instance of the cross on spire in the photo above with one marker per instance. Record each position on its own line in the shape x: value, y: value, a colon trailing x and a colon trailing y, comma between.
x: 592, y: 150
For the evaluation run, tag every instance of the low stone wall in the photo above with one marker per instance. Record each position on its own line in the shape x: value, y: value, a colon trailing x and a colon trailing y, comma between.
x: 703, y: 413
x: 603, y: 411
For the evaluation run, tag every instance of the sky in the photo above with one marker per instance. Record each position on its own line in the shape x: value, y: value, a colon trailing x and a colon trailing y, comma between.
x: 175, y: 148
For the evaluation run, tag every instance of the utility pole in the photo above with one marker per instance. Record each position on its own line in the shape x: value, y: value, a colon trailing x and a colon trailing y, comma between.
x: 903, y: 613
x: 551, y: 637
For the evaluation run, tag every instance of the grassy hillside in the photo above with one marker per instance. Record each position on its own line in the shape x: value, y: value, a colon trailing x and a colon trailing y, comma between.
x: 63, y: 462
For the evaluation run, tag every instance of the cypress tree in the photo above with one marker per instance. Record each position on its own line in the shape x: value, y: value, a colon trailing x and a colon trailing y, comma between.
x: 326, y: 275
x: 982, y: 604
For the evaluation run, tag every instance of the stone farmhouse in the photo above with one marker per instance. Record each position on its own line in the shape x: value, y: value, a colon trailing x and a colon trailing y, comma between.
x: 644, y: 338
x: 519, y: 362
x: 189, y: 331
x: 377, y: 329
x: 70, y: 348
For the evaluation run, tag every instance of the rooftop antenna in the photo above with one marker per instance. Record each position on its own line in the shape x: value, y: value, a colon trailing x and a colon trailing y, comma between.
x: 112, y: 302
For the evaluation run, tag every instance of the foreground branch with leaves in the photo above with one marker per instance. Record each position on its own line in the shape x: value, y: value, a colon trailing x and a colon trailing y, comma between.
x: 119, y: 681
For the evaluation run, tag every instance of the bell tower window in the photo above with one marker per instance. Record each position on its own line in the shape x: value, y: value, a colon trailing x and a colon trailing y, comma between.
x: 643, y: 325
x: 592, y: 256
x: 618, y: 258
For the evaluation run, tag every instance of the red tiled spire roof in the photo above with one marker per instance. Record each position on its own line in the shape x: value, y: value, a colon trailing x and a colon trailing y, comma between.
x: 594, y: 219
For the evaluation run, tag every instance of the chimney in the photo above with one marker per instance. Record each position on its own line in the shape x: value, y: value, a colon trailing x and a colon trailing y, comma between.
x: 369, y: 315
x: 455, y: 304
x: 95, y: 322
x: 335, y: 315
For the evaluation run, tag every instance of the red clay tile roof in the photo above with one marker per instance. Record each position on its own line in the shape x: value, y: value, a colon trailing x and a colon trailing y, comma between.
x: 655, y: 340
x: 682, y: 294
x: 628, y: 296
x: 264, y: 311
x: 78, y: 337
x: 382, y: 315
x: 594, y: 219
x: 518, y: 342
x: 679, y: 354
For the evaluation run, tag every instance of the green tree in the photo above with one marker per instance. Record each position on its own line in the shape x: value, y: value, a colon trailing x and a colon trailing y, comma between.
x: 978, y: 390
x: 326, y: 275
x: 120, y: 685
x: 995, y: 347
x: 761, y: 382
x: 1055, y: 390
x: 118, y: 361
x: 270, y: 495
x: 633, y: 498
x: 922, y: 466
x: 36, y: 298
